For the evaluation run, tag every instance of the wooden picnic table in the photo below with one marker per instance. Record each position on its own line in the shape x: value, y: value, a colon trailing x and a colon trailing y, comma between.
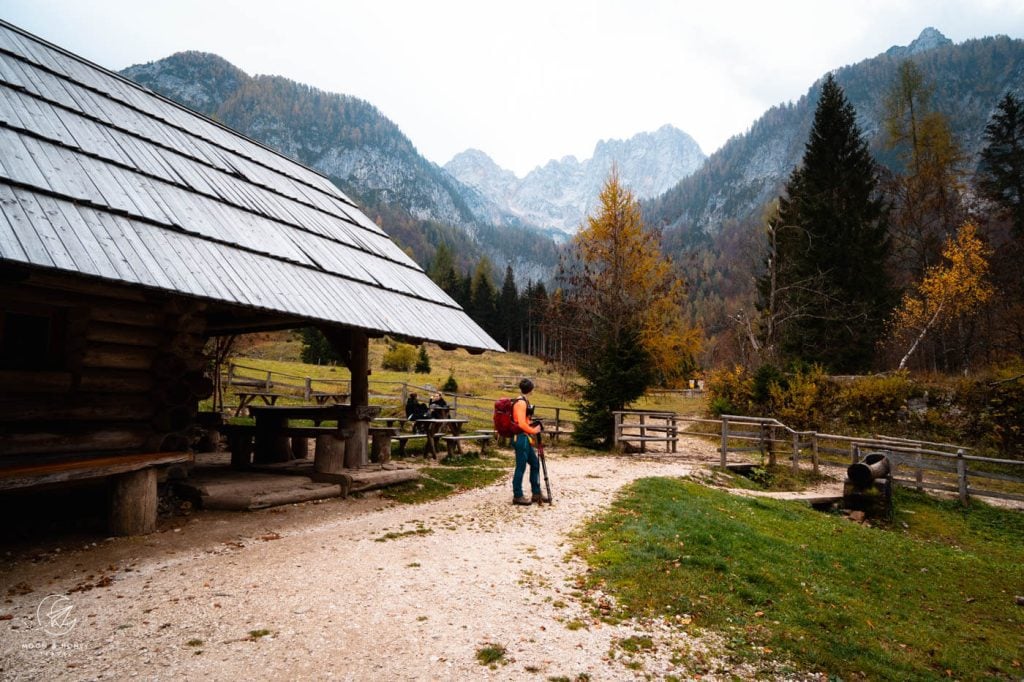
x: 245, y: 398
x: 271, y: 431
x: 435, y: 427
x: 322, y: 397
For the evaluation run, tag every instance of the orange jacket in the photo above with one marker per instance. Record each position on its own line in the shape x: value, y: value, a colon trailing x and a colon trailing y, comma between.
x: 520, y: 418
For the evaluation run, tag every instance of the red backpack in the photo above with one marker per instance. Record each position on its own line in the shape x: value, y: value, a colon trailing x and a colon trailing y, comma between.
x: 504, y: 422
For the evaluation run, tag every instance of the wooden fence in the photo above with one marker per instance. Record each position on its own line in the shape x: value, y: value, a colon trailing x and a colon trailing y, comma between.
x: 950, y: 466
x: 390, y: 395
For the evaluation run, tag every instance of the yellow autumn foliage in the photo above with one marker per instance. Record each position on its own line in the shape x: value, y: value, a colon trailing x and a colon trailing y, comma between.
x: 624, y: 279
x: 956, y: 288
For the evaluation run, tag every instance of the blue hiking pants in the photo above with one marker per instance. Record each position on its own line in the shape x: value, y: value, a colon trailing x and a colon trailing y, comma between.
x: 525, y: 454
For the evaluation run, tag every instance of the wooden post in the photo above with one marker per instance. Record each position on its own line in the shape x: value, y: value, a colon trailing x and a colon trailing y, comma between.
x: 814, y: 452
x: 359, y: 366
x: 919, y: 472
x: 133, y: 503
x: 725, y: 440
x: 308, y: 392
x: 617, y: 429
x: 961, y: 476
x: 796, y: 452
x: 643, y: 432
x: 329, y: 457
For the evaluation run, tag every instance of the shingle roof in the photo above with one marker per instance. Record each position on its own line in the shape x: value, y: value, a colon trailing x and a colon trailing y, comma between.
x: 103, y: 178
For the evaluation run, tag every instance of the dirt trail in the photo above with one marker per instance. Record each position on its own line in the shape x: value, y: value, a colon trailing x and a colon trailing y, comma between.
x: 353, y: 589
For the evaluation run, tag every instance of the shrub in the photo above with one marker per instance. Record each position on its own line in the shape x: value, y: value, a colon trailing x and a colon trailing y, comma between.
x: 803, y: 401
x: 399, y: 357
x: 764, y: 378
x: 877, y: 400
x: 730, y: 391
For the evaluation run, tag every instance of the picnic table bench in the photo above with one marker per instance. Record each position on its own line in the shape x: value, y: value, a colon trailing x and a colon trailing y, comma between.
x: 454, y: 443
x: 323, y: 397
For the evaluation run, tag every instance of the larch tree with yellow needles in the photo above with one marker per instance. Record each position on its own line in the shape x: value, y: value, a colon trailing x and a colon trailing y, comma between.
x: 950, y: 291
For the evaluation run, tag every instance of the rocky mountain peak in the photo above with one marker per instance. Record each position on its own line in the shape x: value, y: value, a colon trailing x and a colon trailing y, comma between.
x: 929, y: 39
x: 559, y: 193
x: 199, y: 80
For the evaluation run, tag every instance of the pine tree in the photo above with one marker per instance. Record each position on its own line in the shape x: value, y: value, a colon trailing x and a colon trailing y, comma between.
x: 508, y: 311
x: 422, y: 361
x: 483, y: 297
x: 1001, y: 170
x: 442, y: 271
x: 620, y: 312
x: 831, y: 245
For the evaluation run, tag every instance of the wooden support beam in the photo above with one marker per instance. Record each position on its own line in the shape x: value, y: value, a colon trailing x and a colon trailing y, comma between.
x: 133, y: 503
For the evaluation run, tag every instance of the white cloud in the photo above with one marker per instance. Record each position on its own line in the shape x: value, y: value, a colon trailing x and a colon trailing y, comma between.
x: 530, y: 80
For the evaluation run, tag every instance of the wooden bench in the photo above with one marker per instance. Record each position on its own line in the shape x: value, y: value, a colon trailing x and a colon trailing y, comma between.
x: 402, y: 438
x: 454, y: 442
x: 133, y: 499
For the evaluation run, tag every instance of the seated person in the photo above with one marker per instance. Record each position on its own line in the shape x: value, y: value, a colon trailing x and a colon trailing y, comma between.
x: 438, y: 407
x: 415, y: 410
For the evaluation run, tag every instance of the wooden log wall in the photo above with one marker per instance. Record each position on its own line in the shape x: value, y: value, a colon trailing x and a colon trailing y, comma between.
x: 131, y: 375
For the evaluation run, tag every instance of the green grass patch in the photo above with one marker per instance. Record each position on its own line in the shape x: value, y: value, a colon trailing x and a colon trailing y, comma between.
x: 636, y: 644
x: 491, y: 654
x: 778, y: 478
x: 931, y: 596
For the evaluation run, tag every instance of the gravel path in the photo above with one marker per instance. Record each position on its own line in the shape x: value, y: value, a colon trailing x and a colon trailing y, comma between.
x: 347, y: 589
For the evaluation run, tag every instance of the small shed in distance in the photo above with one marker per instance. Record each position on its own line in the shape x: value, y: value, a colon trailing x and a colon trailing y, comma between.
x: 132, y: 230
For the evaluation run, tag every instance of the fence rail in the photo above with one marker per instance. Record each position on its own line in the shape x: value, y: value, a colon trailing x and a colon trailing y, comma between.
x: 954, y: 468
x: 390, y: 395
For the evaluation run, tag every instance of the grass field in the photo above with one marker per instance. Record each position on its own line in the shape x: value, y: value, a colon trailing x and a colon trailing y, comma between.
x: 485, y: 375
x: 931, y: 596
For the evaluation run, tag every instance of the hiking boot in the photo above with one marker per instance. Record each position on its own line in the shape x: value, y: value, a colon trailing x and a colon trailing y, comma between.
x: 538, y: 498
x: 525, y: 501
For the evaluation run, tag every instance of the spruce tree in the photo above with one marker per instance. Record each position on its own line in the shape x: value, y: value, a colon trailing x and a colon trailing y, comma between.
x: 483, y: 297
x: 832, y: 252
x: 508, y: 311
x: 1001, y: 170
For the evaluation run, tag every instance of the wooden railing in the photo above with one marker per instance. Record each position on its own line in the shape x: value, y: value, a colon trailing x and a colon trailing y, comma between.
x: 951, y: 465
x: 301, y: 387
x: 390, y: 395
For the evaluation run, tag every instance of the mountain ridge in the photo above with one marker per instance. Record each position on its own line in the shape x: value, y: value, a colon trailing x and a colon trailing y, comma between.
x: 561, y: 192
x: 750, y: 168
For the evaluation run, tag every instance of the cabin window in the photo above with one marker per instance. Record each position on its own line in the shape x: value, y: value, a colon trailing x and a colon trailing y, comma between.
x: 32, y: 339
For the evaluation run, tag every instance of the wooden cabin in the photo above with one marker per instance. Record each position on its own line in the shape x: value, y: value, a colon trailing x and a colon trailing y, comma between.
x: 131, y: 231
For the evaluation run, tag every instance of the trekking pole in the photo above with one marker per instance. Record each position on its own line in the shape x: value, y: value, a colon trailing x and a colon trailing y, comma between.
x: 544, y: 465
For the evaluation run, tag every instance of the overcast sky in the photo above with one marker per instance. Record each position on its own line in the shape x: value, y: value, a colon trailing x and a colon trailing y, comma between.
x: 525, y: 81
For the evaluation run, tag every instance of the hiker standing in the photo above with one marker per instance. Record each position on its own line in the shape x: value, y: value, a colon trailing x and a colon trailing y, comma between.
x: 522, y: 413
